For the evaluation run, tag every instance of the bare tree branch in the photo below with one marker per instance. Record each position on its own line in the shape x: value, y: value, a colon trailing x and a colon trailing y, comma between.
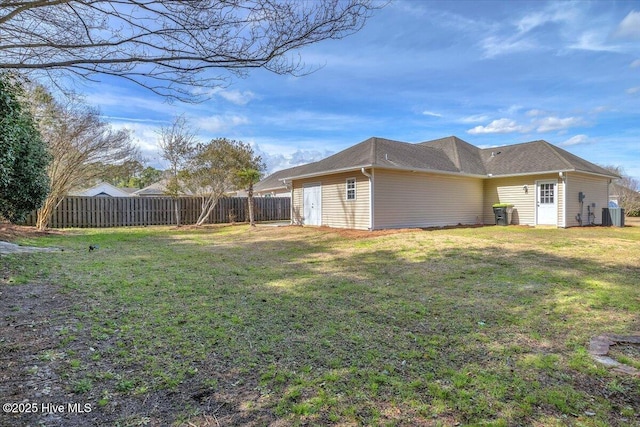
x: 171, y: 46
x: 78, y: 140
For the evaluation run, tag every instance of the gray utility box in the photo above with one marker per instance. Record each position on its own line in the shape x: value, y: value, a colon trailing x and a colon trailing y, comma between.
x: 613, y: 217
x: 502, y: 213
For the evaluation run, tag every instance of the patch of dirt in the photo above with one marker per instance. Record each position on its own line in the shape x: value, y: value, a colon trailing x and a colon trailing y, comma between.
x: 366, y: 234
x: 31, y: 318
x: 11, y: 232
x: 39, y: 381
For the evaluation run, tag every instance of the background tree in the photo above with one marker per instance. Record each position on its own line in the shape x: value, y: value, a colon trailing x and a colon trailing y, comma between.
x: 247, y: 177
x: 78, y: 141
x: 123, y: 174
x: 176, y: 143
x: 170, y: 46
x: 627, y: 189
x: 23, y: 155
x: 213, y: 170
x: 148, y: 176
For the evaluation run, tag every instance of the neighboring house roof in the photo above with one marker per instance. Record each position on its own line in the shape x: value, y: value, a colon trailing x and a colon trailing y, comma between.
x: 274, y: 182
x: 449, y: 155
x: 158, y: 189
x: 103, y: 189
x: 155, y: 189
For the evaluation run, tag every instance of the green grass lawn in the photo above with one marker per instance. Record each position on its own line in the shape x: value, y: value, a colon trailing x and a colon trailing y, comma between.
x: 304, y: 326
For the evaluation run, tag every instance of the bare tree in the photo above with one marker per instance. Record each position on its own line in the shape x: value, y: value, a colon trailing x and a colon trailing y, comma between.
x: 213, y: 170
x: 627, y: 190
x: 78, y: 141
x: 168, y: 46
x: 176, y: 143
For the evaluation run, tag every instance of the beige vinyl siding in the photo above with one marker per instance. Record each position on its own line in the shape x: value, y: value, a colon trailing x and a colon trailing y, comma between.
x: 596, y: 190
x: 412, y: 199
x: 337, y: 211
x: 511, y: 190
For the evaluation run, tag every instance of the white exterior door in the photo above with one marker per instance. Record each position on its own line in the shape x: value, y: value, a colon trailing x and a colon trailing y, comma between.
x: 312, y: 204
x: 547, y: 203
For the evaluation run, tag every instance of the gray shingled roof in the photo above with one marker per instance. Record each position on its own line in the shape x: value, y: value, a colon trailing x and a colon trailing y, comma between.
x: 465, y: 156
x: 448, y: 155
x: 382, y: 153
x: 535, y: 157
x: 274, y: 181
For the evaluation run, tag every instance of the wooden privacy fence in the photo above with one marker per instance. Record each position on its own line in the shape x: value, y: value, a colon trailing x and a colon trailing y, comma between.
x: 136, y: 211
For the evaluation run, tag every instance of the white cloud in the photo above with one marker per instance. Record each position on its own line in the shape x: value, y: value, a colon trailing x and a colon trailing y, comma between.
x: 629, y: 28
x: 498, y: 126
x: 513, y: 109
x: 311, y: 120
x: 575, y: 140
x: 476, y: 118
x: 495, y: 46
x: 215, y: 124
x: 534, y: 113
x: 145, y: 136
x: 237, y: 97
x: 287, y: 158
x: 518, y: 35
x: 549, y: 124
x: 635, y: 64
x: 593, y: 41
x: 553, y: 13
x: 431, y: 113
x: 633, y: 90
x: 126, y: 104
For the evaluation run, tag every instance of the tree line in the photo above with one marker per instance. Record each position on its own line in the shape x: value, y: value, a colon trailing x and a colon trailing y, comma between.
x: 176, y: 49
x: 50, y: 148
x: 208, y: 170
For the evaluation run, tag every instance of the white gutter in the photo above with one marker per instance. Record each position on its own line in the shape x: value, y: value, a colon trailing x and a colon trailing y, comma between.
x: 511, y: 175
x: 371, y: 203
x: 353, y: 168
x: 289, y: 187
x: 563, y: 179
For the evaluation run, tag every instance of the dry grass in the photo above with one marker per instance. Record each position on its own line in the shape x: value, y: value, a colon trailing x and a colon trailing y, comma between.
x: 314, y: 326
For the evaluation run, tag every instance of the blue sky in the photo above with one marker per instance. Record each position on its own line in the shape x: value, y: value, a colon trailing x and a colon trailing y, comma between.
x: 491, y: 73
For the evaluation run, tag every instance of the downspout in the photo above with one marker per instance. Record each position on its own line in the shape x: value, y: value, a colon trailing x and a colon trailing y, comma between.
x: 371, y: 204
x: 290, y: 188
x: 564, y: 180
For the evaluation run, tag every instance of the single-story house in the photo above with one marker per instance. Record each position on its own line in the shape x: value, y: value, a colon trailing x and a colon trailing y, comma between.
x: 273, y: 186
x: 104, y: 189
x: 380, y: 184
x: 158, y: 189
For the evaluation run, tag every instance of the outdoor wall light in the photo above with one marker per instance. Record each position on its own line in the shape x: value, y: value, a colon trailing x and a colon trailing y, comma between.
x: 526, y: 189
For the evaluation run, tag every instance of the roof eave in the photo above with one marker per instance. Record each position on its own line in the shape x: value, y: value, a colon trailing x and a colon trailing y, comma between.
x: 509, y: 175
x: 329, y: 172
x: 389, y: 167
x: 271, y: 188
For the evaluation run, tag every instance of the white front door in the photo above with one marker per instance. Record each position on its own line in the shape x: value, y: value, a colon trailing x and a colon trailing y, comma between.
x: 547, y: 203
x: 311, y: 204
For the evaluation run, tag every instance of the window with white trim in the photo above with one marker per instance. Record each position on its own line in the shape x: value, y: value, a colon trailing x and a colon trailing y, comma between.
x: 351, y: 188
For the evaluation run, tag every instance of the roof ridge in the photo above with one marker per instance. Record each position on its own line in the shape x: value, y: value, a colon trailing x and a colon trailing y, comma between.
x: 374, y: 151
x: 456, y: 153
x: 559, y: 155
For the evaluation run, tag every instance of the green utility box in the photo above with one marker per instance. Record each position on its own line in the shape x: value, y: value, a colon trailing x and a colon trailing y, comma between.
x: 502, y: 213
